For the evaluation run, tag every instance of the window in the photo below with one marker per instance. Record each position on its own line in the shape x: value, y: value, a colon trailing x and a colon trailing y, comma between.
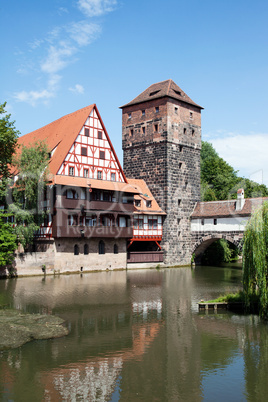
x: 143, y: 130
x: 86, y: 249
x: 129, y: 115
x: 113, y: 176
x: 101, y: 247
x: 138, y: 223
x: 85, y: 172
x: 99, y: 174
x: 152, y: 223
x: 192, y: 132
x: 157, y: 109
x: 83, y: 151
x: 91, y: 220
x: 100, y: 135
x: 131, y: 132
x: 143, y: 112
x: 180, y: 165
x: 82, y: 221
x: 184, y: 131
x: 76, y: 249
x: 202, y: 221
x: 180, y: 148
x: 177, y: 92
x: 178, y: 220
x: 179, y: 202
x: 148, y: 204
x: 186, y: 184
x: 137, y: 203
x: 87, y: 132
x: 191, y: 115
x: 71, y: 171
x: 72, y: 220
x: 215, y: 221
x: 72, y: 194
x: 102, y: 154
x: 156, y: 127
x: 115, y: 249
x: 154, y: 92
x: 176, y: 110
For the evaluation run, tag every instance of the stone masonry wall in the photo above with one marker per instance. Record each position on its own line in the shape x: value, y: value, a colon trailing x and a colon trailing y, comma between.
x: 169, y: 161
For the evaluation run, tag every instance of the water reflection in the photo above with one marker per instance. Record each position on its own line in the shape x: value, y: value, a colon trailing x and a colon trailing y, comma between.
x: 136, y: 336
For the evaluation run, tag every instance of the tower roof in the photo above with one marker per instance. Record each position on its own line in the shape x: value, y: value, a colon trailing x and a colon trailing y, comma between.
x: 162, y: 89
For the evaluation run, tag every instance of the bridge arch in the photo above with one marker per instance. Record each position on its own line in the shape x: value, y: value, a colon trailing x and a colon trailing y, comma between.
x: 202, y: 241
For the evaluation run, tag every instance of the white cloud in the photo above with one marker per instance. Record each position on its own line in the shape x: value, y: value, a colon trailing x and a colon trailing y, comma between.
x: 93, y: 8
x: 78, y: 89
x: 246, y: 153
x: 60, y: 48
x: 84, y: 33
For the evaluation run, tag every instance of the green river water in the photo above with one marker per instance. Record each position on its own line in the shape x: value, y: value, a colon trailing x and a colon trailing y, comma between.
x: 136, y: 336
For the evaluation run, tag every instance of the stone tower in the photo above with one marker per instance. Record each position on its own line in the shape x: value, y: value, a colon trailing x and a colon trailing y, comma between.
x: 161, y: 131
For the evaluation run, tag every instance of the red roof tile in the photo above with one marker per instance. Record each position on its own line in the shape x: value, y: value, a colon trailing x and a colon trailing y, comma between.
x: 162, y: 89
x: 145, y: 195
x: 226, y: 208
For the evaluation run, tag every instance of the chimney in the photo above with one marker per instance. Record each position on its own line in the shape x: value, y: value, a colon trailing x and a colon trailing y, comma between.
x: 240, y: 200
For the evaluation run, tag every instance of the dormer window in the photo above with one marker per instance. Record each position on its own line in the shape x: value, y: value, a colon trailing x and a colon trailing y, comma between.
x: 137, y: 203
x: 154, y: 92
x: 149, y: 204
x: 177, y: 92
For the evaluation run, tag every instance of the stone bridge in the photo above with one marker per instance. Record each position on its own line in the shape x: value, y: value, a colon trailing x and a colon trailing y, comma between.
x: 203, y: 239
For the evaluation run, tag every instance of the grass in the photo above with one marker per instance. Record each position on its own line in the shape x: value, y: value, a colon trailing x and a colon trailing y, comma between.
x: 229, y: 298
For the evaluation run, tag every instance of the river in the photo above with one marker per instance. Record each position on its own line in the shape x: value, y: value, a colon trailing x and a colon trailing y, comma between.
x: 136, y: 336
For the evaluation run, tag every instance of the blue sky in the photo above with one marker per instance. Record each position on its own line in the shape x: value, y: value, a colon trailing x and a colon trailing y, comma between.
x: 58, y: 56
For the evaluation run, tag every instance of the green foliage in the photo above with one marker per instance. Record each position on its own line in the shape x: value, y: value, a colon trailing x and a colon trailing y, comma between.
x: 8, y: 241
x: 28, y: 191
x: 217, y: 252
x: 219, y: 181
x: 8, y: 141
x: 255, y: 259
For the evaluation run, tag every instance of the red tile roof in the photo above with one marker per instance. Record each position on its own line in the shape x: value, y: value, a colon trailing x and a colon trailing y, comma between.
x: 145, y: 195
x: 226, y: 208
x: 160, y: 90
x: 74, y: 181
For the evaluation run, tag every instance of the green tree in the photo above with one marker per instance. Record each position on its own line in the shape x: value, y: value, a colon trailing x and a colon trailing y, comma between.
x: 8, y: 141
x: 255, y: 259
x: 28, y: 191
x: 8, y: 241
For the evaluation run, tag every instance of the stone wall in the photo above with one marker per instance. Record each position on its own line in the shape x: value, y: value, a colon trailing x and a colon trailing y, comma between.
x: 58, y: 257
x: 169, y: 161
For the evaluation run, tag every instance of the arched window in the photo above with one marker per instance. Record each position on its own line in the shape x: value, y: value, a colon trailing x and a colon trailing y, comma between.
x: 76, y: 249
x: 101, y: 247
x: 115, y: 249
x: 86, y: 249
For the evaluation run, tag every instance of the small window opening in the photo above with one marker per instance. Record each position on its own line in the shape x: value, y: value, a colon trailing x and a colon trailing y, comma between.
x: 154, y: 92
x: 191, y: 115
x: 156, y: 127
x: 148, y: 204
x: 115, y: 249
x: 99, y: 174
x: 76, y: 249
x: 192, y: 132
x: 157, y: 109
x: 143, y: 112
x: 131, y: 132
x: 102, y: 154
x: 100, y: 135
x: 180, y: 148
x: 178, y: 220
x: 87, y: 132
x: 202, y: 221
x: 179, y: 202
x: 215, y: 221
x: 83, y: 151
x: 71, y: 171
x: 85, y: 172
x: 86, y: 249
x: 101, y: 247
x: 143, y: 130
x: 177, y: 92
x: 137, y: 203
x: 184, y: 131
x: 129, y: 115
x: 180, y: 165
x: 176, y: 110
x: 113, y: 176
